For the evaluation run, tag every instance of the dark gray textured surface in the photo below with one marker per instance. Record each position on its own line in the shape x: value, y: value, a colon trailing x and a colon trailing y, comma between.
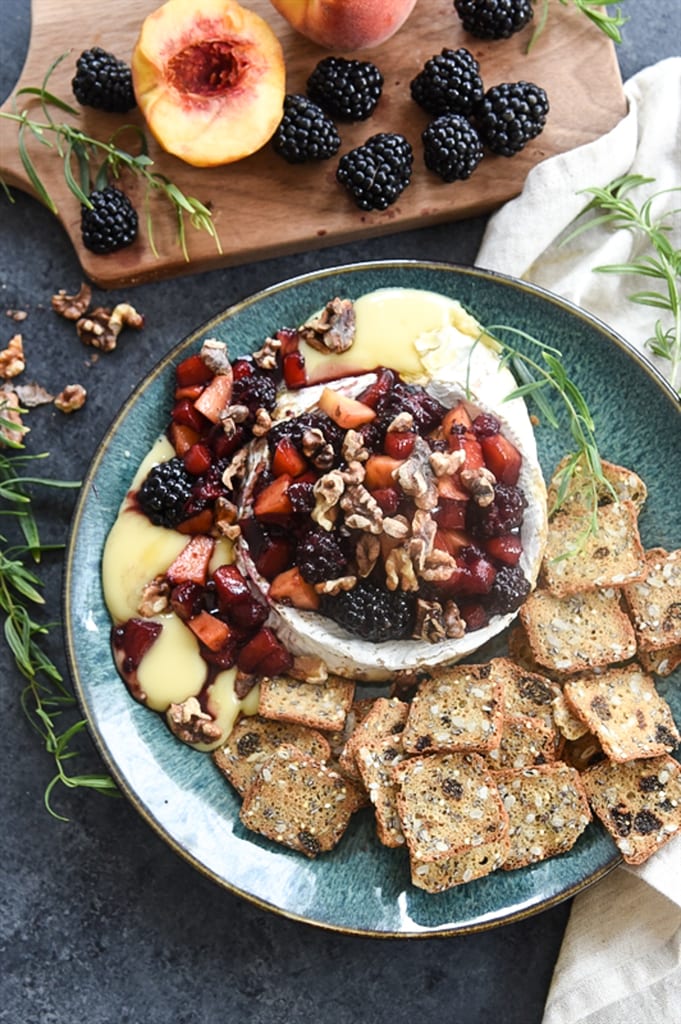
x: 101, y: 922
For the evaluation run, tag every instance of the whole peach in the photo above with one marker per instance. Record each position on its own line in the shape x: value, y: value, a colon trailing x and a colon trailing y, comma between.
x: 345, y: 24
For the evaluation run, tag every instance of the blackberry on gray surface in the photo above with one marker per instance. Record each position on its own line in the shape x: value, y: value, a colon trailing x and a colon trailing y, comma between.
x: 510, y: 115
x: 103, y: 81
x: 451, y: 147
x: 346, y: 89
x: 305, y: 132
x: 371, y: 612
x: 111, y: 224
x: 493, y: 19
x: 448, y: 83
x: 165, y: 492
x: 319, y: 557
x: 376, y: 173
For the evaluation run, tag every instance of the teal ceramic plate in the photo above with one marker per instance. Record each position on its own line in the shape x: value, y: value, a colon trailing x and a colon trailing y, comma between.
x: 360, y: 887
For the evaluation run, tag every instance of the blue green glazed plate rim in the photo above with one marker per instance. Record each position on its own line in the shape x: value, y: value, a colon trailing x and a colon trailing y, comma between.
x: 360, y: 887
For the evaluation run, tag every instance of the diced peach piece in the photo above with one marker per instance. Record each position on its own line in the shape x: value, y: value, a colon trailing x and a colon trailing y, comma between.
x: 200, y: 523
x: 289, y: 587
x: 191, y: 565
x: 215, y: 397
x: 452, y: 541
x: 182, y: 437
x: 380, y: 471
x: 212, y: 632
x: 447, y: 487
x: 273, y: 499
x: 190, y: 391
x: 456, y: 417
x: 347, y: 412
x: 287, y: 459
x: 502, y: 458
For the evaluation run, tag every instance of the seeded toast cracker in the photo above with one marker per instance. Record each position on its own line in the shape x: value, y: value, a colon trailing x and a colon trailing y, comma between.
x: 318, y: 705
x: 375, y: 759
x: 359, y: 709
x: 525, y: 741
x: 609, y: 557
x: 299, y: 802
x: 571, y: 727
x: 449, y: 804
x: 525, y: 692
x: 520, y: 652
x: 578, y: 632
x: 459, y: 709
x: 254, y: 739
x: 624, y: 710
x: 655, y: 602
x: 386, y: 717
x: 639, y: 803
x: 439, y: 875
x: 547, y: 809
x: 584, y: 752
x: 661, y: 662
x: 626, y: 484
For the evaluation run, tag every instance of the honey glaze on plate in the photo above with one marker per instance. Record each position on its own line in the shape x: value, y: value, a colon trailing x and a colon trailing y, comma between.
x: 428, y: 339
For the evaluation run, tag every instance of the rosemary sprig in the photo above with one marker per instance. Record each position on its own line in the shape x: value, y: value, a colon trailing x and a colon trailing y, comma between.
x: 594, y: 10
x: 545, y: 373
x: 71, y: 144
x: 619, y: 211
x: 45, y: 698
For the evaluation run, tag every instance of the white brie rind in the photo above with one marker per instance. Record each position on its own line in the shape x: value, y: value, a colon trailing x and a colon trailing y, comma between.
x: 309, y: 633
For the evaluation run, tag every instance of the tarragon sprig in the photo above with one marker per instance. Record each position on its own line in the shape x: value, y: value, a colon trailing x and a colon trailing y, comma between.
x: 618, y: 210
x: 594, y: 10
x: 45, y: 698
x: 73, y: 145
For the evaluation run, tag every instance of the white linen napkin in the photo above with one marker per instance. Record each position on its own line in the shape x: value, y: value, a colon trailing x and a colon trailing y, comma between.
x: 621, y: 955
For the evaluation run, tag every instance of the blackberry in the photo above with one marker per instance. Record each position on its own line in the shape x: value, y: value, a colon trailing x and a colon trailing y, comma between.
x: 305, y: 132
x: 509, y: 590
x: 493, y: 19
x: 111, y: 224
x: 510, y: 115
x: 165, y: 492
x: 319, y: 556
x: 103, y: 81
x: 296, y: 427
x: 372, y: 613
x: 451, y: 147
x: 346, y: 89
x: 426, y: 410
x: 449, y: 83
x: 377, y: 173
x: 503, y: 515
x: 257, y: 392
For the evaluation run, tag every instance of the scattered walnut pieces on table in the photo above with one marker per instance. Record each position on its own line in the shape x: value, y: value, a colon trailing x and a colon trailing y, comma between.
x: 102, y: 326
x: 12, y: 358
x: 72, y: 307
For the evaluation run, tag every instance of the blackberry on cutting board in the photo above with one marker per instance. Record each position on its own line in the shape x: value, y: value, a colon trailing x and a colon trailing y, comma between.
x: 494, y: 19
x: 103, y: 81
x: 165, y: 492
x: 110, y: 224
x: 451, y: 147
x: 305, y: 132
x: 510, y: 115
x: 371, y: 612
x: 346, y: 89
x: 377, y: 173
x: 448, y: 83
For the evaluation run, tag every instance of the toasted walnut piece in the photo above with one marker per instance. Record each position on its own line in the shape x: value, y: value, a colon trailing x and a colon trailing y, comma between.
x: 396, y: 527
x: 480, y: 485
x: 446, y: 463
x: 262, y: 424
x: 354, y: 449
x: 16, y: 314
x: 420, y: 545
x: 72, y: 307
x: 362, y: 511
x: 225, y: 518
x: 101, y: 327
x: 232, y: 417
x: 429, y: 622
x: 337, y: 585
x: 402, y: 422
x: 266, y: 357
x: 236, y: 468
x: 31, y: 395
x: 12, y: 429
x: 155, y: 597
x: 439, y: 565
x: 244, y: 683
x: 367, y: 552
x: 308, y: 669
x: 190, y: 724
x: 216, y: 357
x: 399, y: 570
x: 455, y: 626
x: 354, y: 474
x: 71, y: 398
x: 416, y: 478
x: 12, y: 361
x: 334, y: 329
x: 327, y: 493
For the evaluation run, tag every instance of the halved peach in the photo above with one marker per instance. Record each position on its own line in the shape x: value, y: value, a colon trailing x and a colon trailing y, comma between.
x: 210, y: 80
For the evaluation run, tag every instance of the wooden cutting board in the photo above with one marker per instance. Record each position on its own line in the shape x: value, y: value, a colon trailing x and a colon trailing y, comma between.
x: 264, y: 207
